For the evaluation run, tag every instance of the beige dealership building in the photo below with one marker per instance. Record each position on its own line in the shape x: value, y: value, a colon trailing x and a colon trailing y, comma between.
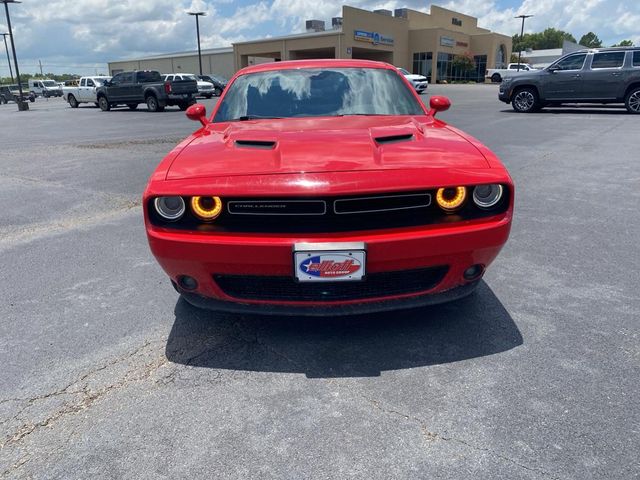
x: 419, y: 42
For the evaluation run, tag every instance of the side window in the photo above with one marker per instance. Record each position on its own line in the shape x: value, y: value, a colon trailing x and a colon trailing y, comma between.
x: 90, y: 83
x: 117, y: 79
x: 83, y: 82
x: 608, y: 60
x: 636, y: 58
x: 127, y: 77
x: 573, y: 62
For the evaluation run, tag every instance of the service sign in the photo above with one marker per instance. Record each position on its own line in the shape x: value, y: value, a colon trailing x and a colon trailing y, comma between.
x: 374, y: 38
x: 329, y: 266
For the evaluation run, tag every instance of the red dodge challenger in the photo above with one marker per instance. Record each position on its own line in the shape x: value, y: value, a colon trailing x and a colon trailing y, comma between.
x: 324, y: 187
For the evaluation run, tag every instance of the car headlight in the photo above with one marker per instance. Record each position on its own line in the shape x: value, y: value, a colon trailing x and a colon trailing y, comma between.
x: 487, y: 196
x: 169, y: 208
x: 206, y: 208
x: 452, y: 198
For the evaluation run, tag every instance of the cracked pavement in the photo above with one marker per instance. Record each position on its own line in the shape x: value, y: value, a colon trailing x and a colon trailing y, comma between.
x: 107, y: 374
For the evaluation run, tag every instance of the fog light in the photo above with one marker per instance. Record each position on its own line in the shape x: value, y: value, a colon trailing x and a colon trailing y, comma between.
x: 451, y: 199
x: 473, y: 272
x: 187, y: 282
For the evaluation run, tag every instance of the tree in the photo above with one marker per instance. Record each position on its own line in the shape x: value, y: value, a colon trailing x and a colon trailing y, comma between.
x: 624, y: 43
x: 463, y: 65
x: 590, y: 40
x: 550, y: 38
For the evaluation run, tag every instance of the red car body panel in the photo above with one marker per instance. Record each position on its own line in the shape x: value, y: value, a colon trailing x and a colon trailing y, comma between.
x: 326, y: 156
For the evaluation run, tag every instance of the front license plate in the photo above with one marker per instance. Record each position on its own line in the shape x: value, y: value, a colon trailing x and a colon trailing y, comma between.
x: 329, y: 266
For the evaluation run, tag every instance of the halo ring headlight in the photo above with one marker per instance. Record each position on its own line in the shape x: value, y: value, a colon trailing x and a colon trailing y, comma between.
x: 451, y: 199
x: 487, y: 196
x: 169, y: 208
x: 206, y: 208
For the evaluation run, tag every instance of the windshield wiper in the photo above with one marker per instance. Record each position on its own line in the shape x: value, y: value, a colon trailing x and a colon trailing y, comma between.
x: 244, y: 118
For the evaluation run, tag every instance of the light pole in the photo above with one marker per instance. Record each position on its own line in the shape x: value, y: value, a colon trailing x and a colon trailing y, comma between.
x: 4, y: 35
x: 22, y: 105
x: 521, y: 35
x: 198, y: 14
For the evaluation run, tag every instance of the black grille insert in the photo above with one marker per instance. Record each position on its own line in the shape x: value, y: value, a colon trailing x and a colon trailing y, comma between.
x: 381, y: 203
x: 288, y: 289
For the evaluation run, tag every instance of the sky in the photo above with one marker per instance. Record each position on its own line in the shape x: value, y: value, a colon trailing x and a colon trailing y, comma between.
x: 81, y: 36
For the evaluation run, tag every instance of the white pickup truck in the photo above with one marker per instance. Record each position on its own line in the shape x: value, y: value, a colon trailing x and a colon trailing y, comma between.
x: 497, y: 74
x: 85, y: 92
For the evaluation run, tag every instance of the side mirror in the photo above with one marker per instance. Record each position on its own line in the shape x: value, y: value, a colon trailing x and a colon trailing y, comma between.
x: 198, y: 112
x: 552, y: 69
x: 438, y: 104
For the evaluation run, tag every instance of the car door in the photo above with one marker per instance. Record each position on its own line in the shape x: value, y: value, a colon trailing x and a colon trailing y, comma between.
x: 563, y: 79
x: 115, y: 89
x: 605, y: 79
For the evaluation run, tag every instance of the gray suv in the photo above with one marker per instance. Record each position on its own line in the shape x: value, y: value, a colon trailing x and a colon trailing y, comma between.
x: 603, y: 75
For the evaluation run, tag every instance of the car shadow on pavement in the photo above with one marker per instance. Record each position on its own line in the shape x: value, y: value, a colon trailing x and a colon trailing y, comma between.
x: 355, y: 346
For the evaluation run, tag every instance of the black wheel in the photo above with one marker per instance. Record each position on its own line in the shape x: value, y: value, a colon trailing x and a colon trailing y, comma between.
x: 217, y: 91
x: 496, y: 78
x: 96, y: 104
x: 132, y: 106
x: 73, y: 102
x: 525, y: 100
x: 632, y: 100
x: 153, y: 105
x: 208, y: 95
x: 103, y: 103
x: 3, y: 100
x: 32, y: 98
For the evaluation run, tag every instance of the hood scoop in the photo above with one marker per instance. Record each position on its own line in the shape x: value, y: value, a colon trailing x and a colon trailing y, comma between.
x: 258, y: 144
x: 406, y: 137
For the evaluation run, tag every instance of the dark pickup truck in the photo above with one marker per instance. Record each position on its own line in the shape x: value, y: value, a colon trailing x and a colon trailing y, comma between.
x: 134, y: 88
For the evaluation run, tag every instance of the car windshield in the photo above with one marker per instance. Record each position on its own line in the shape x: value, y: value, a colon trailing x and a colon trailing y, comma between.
x: 49, y: 83
x: 189, y: 77
x: 316, y: 93
x: 403, y: 71
x: 100, y: 81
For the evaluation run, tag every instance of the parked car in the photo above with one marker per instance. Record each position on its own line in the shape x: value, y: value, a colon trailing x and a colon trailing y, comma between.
x: 204, y: 88
x: 219, y: 83
x: 11, y: 93
x: 85, y: 92
x: 326, y: 187
x: 45, y: 87
x: 145, y: 86
x: 498, y: 74
x: 604, y: 75
x: 419, y: 82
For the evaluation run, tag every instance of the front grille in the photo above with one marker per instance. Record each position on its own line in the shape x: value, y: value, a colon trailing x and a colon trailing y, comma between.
x: 288, y: 289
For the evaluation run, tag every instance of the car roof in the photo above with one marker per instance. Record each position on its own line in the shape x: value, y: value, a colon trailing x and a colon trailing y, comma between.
x: 320, y: 63
x: 605, y: 49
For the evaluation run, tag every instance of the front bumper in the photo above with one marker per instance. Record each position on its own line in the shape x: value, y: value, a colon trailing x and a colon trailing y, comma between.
x: 504, y: 94
x: 204, y: 255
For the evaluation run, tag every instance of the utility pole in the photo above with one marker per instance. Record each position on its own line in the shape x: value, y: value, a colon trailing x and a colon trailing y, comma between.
x: 22, y: 105
x: 198, y: 14
x: 5, y: 35
x: 521, y: 35
x: 40, y: 63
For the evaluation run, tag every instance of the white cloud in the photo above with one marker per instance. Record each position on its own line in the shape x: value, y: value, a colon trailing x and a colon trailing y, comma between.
x: 67, y: 34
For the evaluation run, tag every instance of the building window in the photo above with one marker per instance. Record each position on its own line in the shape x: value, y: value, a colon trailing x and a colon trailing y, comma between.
x: 501, y: 56
x: 481, y: 67
x: 422, y: 64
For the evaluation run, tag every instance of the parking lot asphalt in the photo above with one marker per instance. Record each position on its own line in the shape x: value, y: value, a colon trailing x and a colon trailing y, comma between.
x: 107, y: 374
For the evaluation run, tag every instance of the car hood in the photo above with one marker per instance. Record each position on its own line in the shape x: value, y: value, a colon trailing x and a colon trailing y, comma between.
x: 416, y: 77
x: 351, y: 143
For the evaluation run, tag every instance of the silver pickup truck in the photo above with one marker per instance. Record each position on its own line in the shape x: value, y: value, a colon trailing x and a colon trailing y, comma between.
x: 85, y: 92
x: 603, y: 75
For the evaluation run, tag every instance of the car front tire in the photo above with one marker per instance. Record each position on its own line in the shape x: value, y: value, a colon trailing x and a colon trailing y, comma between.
x: 525, y: 100
x: 632, y: 100
x: 103, y: 103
